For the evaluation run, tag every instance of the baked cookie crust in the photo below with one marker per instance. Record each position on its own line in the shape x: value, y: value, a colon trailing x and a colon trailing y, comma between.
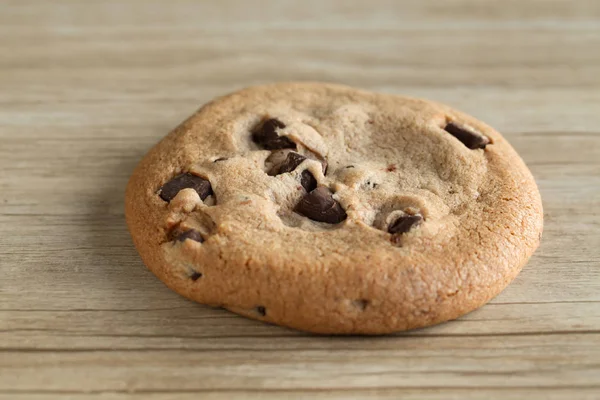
x: 334, y: 210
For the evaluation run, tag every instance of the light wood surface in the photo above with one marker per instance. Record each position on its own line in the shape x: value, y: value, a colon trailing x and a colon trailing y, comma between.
x: 86, y: 88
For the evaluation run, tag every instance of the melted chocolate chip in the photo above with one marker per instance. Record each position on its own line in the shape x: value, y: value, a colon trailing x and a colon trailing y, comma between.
x: 320, y: 206
x: 308, y: 181
x: 190, y: 234
x: 288, y: 165
x: 195, y: 276
x: 262, y: 311
x: 405, y: 223
x: 266, y: 136
x: 185, y: 181
x: 220, y: 159
x: 472, y: 140
x: 291, y: 162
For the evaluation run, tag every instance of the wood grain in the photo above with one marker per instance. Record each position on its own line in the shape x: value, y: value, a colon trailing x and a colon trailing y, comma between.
x: 86, y: 88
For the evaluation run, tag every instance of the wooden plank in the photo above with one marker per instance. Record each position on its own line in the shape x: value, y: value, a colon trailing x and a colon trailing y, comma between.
x: 408, y: 362
x: 188, y: 326
x: 87, y: 89
x: 552, y: 393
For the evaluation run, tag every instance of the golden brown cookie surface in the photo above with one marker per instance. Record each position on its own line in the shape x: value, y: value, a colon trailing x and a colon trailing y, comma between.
x: 334, y: 210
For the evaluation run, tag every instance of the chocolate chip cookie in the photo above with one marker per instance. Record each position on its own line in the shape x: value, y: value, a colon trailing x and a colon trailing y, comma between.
x: 334, y: 210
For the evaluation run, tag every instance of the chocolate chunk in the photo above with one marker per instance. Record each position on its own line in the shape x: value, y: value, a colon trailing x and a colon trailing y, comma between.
x: 320, y: 206
x: 266, y: 136
x: 275, y: 160
x: 262, y: 311
x: 472, y: 140
x: 405, y: 223
x: 308, y: 181
x: 184, y: 181
x: 190, y: 234
x: 195, y: 276
x: 288, y: 165
x: 291, y: 162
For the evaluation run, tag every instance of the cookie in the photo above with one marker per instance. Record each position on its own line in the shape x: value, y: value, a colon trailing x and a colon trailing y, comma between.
x: 334, y: 210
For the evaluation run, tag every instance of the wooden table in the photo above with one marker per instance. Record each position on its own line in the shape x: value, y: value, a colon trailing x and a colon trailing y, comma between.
x: 86, y: 88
